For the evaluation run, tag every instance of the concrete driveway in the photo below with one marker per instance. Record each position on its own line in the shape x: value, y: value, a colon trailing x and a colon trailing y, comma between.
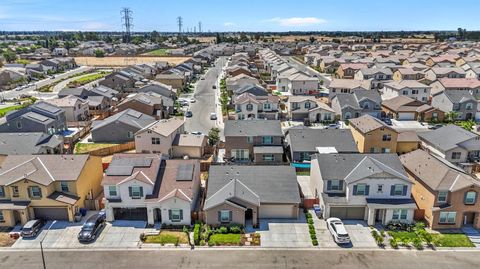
x: 360, y: 234
x: 284, y: 233
x: 63, y: 235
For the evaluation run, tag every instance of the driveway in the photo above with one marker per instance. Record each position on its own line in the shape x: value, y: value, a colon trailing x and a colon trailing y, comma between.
x: 284, y: 233
x: 360, y: 234
x: 63, y: 235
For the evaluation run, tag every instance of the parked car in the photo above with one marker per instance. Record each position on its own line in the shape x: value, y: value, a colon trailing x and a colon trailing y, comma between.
x: 213, y: 116
x: 91, y: 228
x: 193, y: 100
x: 435, y: 127
x: 188, y: 114
x: 388, y: 121
x: 196, y: 133
x: 338, y: 231
x: 32, y: 228
x: 214, y: 87
x: 333, y: 126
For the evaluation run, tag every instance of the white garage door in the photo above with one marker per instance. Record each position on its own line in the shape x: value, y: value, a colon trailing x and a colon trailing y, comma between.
x: 406, y: 116
x: 278, y: 211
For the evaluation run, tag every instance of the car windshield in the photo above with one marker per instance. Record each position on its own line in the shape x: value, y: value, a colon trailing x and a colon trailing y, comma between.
x: 88, y: 226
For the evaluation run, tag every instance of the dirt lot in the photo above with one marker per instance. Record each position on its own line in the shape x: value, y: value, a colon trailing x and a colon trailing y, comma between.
x: 291, y: 38
x: 5, y: 240
x: 124, y: 61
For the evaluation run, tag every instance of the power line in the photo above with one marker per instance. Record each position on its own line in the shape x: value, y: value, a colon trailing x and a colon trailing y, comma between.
x: 127, y: 20
x: 180, y: 24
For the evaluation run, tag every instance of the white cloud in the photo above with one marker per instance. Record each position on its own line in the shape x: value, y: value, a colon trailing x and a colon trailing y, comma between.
x: 228, y: 24
x: 297, y: 21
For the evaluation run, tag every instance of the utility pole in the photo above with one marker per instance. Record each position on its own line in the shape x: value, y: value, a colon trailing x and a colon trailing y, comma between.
x: 194, y: 29
x: 127, y: 20
x: 200, y: 27
x: 180, y: 24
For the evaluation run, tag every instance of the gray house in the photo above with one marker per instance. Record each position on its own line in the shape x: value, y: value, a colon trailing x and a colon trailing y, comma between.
x: 39, y: 117
x: 304, y: 142
x: 254, y: 89
x: 121, y: 127
x: 459, y: 101
x: 30, y: 143
x: 356, y: 104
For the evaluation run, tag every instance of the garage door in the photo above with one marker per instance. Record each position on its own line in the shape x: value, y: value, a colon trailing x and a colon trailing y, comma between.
x: 278, y: 211
x: 139, y: 213
x: 406, y: 116
x: 357, y: 213
x: 50, y: 213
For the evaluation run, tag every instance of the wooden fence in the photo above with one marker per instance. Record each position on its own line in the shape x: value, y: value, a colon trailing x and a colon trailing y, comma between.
x: 112, y: 149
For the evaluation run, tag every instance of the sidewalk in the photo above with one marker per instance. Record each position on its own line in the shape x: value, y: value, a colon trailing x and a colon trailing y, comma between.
x: 473, y: 235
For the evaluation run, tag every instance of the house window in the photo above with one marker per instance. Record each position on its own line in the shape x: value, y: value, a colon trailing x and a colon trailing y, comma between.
x: 399, y: 214
x: 470, y: 198
x: 456, y: 155
x: 307, y: 105
x: 15, y: 192
x: 155, y: 141
x: 447, y: 217
x: 35, y: 192
x: 249, y: 107
x: 268, y: 157
x: 2, y: 191
x: 469, y: 106
x: 442, y: 196
x: 176, y: 215
x: 130, y: 134
x: 398, y: 190
x: 64, y: 186
x: 385, y: 150
x: 225, y: 216
x: 250, y: 139
x: 136, y: 192
x: 405, y: 92
x: 2, y: 219
x: 267, y: 140
x: 379, y: 188
x: 112, y: 191
x: 240, y: 154
x: 19, y: 125
x: 267, y: 106
x: 334, y: 185
x: 387, y: 137
x: 360, y: 189
x: 304, y: 156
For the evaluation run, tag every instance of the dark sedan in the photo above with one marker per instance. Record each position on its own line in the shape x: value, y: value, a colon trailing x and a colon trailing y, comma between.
x: 91, y: 228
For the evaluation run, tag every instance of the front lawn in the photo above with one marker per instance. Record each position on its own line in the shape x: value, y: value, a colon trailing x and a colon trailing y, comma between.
x: 452, y: 240
x: 225, y: 240
x: 81, y: 148
x: 158, y: 52
x: 168, y: 237
x: 86, y: 79
x: 5, y: 110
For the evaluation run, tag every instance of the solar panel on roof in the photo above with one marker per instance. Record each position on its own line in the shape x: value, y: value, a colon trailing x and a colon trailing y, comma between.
x: 134, y: 114
x: 134, y: 162
x: 46, y: 107
x: 37, y: 117
x: 119, y: 170
x: 185, y: 172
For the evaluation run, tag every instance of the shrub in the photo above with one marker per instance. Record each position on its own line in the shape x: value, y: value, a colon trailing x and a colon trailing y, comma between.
x: 313, y: 237
x: 405, y: 242
x: 310, y: 221
x: 143, y: 237
x: 393, y: 243
x: 315, y: 242
x: 222, y: 230
x: 382, y: 233
x: 379, y: 239
x: 311, y: 226
x: 202, y: 242
x: 185, y: 229
x: 308, y: 215
x: 311, y: 231
x: 196, y: 234
x: 417, y: 242
x: 235, y: 229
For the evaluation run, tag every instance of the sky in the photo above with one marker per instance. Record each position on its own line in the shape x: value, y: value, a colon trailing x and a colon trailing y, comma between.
x: 242, y: 15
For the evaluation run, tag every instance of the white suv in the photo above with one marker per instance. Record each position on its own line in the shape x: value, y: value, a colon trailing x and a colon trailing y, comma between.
x: 338, y: 231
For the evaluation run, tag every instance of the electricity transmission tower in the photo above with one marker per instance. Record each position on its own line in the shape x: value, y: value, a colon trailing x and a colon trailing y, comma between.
x: 199, y: 26
x: 127, y: 20
x: 180, y: 24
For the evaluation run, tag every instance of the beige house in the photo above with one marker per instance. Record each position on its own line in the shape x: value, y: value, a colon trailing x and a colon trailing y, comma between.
x: 373, y: 136
x: 76, y: 109
x: 158, y: 136
x: 189, y: 145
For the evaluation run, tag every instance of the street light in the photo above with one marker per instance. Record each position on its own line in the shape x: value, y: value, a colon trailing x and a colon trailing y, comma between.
x: 41, y: 244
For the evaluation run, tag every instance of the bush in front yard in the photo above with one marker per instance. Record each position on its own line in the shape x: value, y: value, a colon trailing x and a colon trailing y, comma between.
x: 393, y: 243
x: 308, y: 215
x: 222, y: 230
x: 196, y: 234
x: 310, y: 221
x: 315, y: 242
x: 235, y: 229
x: 313, y: 237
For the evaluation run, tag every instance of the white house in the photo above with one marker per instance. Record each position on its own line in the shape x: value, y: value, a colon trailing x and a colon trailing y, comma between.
x: 370, y: 187
x: 158, y: 136
x: 409, y: 88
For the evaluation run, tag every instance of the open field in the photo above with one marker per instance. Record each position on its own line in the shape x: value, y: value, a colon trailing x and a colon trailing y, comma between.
x: 124, y: 61
x: 157, y: 52
x: 291, y: 38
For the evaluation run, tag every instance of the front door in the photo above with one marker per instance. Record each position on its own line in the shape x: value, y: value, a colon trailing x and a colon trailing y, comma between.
x: 468, y: 218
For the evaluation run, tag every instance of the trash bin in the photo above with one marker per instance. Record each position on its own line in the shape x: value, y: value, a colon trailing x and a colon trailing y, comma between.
x: 83, y: 211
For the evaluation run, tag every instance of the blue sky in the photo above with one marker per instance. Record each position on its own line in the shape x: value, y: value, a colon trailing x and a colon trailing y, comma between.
x: 243, y: 15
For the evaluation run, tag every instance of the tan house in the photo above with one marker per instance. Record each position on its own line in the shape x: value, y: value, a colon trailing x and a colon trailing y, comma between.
x: 408, y: 74
x: 348, y: 70
x: 177, y: 81
x: 448, y: 196
x: 244, y: 194
x: 189, y: 145
x: 405, y: 108
x: 52, y: 187
x: 158, y: 136
x: 407, y: 141
x: 373, y: 136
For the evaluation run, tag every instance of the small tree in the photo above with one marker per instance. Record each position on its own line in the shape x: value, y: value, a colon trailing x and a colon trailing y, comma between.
x: 9, y: 56
x: 99, y: 53
x: 213, y: 136
x: 451, y: 116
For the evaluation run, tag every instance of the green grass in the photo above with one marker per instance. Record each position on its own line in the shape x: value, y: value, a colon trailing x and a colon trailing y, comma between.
x: 168, y: 237
x: 400, y: 236
x: 5, y: 110
x: 452, y: 240
x: 86, y: 79
x: 225, y: 239
x: 158, y: 52
x: 81, y: 148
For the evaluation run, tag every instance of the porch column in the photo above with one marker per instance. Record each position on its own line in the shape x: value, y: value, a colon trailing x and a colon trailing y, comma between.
x: 108, y: 211
x: 150, y: 219
x: 371, y: 216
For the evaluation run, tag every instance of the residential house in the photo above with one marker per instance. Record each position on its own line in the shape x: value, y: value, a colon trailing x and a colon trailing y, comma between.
x: 406, y: 108
x: 348, y: 70
x: 234, y: 83
x: 254, y: 89
x: 407, y: 141
x: 370, y: 187
x: 150, y: 188
x: 158, y: 136
x: 175, y: 80
x: 76, y: 109
x: 356, y: 104
x: 308, y: 107
x: 377, y: 75
x: 303, y: 142
x: 189, y: 145
x: 259, y: 141
x: 249, y: 106
x: 373, y: 136
x: 30, y: 143
x: 160, y: 89
x: 121, y: 127
x: 244, y: 194
x: 410, y: 88
x: 119, y: 82
x: 145, y: 103
x: 436, y: 73
x: 347, y: 86
x: 51, y: 187
x: 408, y: 74
x: 465, y: 84
x: 459, y: 101
x: 447, y: 195
x: 302, y: 84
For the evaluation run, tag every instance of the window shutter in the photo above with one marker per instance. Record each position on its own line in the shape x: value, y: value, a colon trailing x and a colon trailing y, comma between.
x: 29, y: 191
x: 405, y: 187
x: 367, y: 190
x: 40, y: 191
x: 340, y: 185
x: 329, y: 185
x: 230, y: 216
x: 181, y: 214
x: 219, y: 216
x: 392, y: 190
x: 130, y: 191
x: 170, y: 214
x: 475, y: 200
x: 354, y: 189
x: 141, y: 191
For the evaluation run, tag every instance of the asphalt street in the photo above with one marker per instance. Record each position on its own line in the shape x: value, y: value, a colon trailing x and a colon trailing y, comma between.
x: 307, y: 69
x: 204, y: 95
x: 240, y: 258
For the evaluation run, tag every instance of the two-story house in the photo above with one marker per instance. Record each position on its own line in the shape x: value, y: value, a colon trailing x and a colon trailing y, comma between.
x: 459, y: 101
x: 373, y: 136
x: 436, y: 73
x: 447, y: 195
x: 347, y: 86
x: 377, y: 75
x: 158, y: 136
x: 348, y: 70
x: 76, y: 109
x: 259, y: 141
x: 150, y: 188
x: 471, y: 85
x: 410, y: 88
x: 303, y: 84
x: 356, y: 104
x: 370, y: 187
x: 52, y: 187
x: 308, y: 107
x: 408, y: 74
x: 249, y: 106
x: 146, y: 103
x: 406, y: 108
